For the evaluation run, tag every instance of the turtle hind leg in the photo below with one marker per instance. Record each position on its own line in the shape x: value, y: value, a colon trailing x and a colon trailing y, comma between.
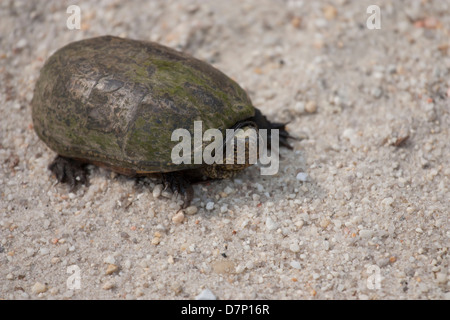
x: 180, y: 184
x: 69, y: 171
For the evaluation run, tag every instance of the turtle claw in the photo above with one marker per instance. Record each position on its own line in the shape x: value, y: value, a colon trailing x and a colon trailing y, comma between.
x: 69, y: 171
x: 180, y: 186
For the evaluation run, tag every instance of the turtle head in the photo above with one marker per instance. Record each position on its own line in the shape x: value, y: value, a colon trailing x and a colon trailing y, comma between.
x: 240, y: 150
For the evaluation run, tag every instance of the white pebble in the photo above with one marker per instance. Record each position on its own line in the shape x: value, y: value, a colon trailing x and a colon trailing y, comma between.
x: 299, y: 107
x: 352, y: 136
x: 191, y: 210
x: 295, y: 264
x: 294, y: 247
x: 167, y: 194
x: 210, y: 205
x: 441, y: 277
x: 302, y: 176
x: 270, y: 224
x: 259, y: 187
x: 228, y: 190
x: 366, y: 234
x: 377, y: 92
x: 157, y: 190
x: 22, y: 43
x: 206, y: 295
x: 224, y: 208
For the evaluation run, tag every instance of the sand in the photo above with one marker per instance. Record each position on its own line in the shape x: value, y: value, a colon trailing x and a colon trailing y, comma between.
x: 359, y: 209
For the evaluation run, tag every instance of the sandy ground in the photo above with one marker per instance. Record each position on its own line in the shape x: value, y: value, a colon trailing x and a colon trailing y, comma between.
x: 371, y: 221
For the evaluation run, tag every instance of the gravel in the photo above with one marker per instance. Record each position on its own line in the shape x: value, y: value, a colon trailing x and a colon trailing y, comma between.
x: 206, y: 294
x: 372, y: 197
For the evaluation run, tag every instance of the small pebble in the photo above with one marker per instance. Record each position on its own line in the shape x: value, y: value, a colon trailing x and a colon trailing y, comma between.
x: 302, y: 176
x: 166, y: 194
x: 55, y: 260
x: 377, y: 92
x: 366, y: 234
x: 112, y: 268
x: 38, y: 288
x: 387, y: 201
x: 324, y: 222
x: 228, y: 190
x: 311, y: 107
x: 178, y: 217
x: 352, y: 136
x: 156, y: 240
x: 206, y: 295
x: 224, y: 208
x: 329, y: 12
x: 294, y: 247
x: 157, y: 191
x: 22, y: 43
x: 270, y: 224
x: 109, y: 285
x: 191, y: 210
x: 299, y: 224
x: 210, y: 205
x: 441, y: 277
x: 295, y: 264
x: 299, y: 107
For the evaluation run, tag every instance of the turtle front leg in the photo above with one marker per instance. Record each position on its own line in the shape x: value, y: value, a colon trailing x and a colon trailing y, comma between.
x: 180, y: 185
x: 262, y: 123
x: 69, y: 171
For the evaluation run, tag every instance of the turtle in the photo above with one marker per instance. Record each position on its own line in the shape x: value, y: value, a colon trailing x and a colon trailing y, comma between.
x: 114, y: 102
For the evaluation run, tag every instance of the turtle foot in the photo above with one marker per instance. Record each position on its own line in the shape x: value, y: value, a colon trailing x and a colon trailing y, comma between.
x: 262, y: 123
x: 179, y: 185
x: 69, y: 171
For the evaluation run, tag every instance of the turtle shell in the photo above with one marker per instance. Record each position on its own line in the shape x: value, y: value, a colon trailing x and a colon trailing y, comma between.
x: 116, y: 102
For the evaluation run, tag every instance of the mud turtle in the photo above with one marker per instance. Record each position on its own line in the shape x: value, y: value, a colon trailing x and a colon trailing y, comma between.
x: 115, y: 102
